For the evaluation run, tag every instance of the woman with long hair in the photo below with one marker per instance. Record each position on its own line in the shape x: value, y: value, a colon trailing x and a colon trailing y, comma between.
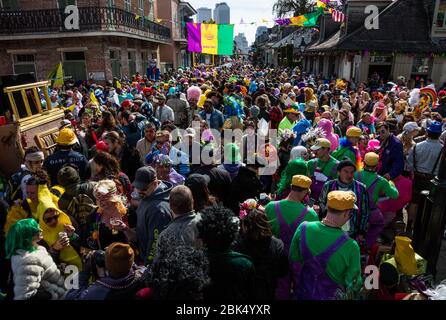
x: 198, y: 184
x: 107, y: 167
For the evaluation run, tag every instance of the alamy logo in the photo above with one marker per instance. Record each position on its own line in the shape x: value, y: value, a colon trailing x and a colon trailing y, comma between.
x: 372, y: 20
x: 371, y: 280
x: 72, y: 279
x: 72, y: 20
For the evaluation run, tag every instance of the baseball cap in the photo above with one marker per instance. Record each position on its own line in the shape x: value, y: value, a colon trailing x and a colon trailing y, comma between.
x: 321, y: 143
x: 341, y: 200
x: 143, y: 177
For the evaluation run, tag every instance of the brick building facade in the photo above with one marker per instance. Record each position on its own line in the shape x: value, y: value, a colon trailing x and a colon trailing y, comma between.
x: 115, y: 38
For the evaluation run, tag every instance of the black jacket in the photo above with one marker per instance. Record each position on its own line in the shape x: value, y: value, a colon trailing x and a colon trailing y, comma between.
x: 130, y: 161
x: 245, y: 185
x: 270, y: 261
x: 58, y: 159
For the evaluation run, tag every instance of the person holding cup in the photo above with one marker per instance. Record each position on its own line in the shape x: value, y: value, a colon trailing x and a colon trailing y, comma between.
x: 111, y: 221
x: 57, y: 230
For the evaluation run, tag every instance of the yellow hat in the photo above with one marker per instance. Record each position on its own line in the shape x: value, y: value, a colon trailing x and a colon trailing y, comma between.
x: 354, y: 132
x: 321, y: 143
x: 301, y: 181
x: 341, y: 200
x: 66, y: 137
x: 371, y: 159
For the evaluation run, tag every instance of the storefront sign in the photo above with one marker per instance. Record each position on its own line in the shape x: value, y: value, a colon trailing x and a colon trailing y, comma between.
x: 381, y: 59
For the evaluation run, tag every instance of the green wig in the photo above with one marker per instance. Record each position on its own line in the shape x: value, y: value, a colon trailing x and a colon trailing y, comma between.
x: 20, y: 236
x: 294, y: 167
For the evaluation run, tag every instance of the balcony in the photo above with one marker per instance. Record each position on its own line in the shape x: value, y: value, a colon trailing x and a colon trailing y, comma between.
x: 91, y: 19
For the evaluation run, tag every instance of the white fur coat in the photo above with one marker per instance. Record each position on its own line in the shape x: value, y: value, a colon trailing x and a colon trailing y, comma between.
x: 33, y: 270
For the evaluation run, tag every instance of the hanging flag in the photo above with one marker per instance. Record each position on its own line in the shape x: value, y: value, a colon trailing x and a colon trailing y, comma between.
x: 338, y: 16
x: 321, y: 3
x: 211, y: 38
x: 306, y: 20
x: 56, y: 76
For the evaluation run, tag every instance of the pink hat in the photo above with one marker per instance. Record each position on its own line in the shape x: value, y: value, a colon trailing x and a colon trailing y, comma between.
x: 380, y: 105
x: 373, y: 145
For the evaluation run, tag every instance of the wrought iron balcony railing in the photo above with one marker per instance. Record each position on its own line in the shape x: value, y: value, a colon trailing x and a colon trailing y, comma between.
x: 90, y: 19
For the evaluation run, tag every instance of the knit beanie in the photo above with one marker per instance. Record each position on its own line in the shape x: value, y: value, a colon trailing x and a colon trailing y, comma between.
x: 67, y: 176
x: 119, y: 259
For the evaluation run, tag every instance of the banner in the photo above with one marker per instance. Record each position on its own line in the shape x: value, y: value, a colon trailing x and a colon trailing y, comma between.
x: 305, y: 20
x: 216, y: 39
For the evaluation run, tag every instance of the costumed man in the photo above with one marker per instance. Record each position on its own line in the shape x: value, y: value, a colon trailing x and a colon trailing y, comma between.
x: 233, y: 112
x: 285, y: 217
x: 26, y: 208
x: 311, y: 104
x: 290, y: 120
x: 391, y: 153
x: 33, y: 161
x: 376, y: 187
x: 348, y: 147
x: 53, y: 222
x: 324, y: 259
x: 322, y: 168
x: 357, y: 225
x: 153, y: 72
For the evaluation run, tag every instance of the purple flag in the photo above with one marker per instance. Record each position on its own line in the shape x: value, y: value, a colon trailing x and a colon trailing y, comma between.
x: 194, y: 37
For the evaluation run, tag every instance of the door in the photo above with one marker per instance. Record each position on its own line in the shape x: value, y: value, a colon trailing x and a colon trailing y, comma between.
x: 115, y: 60
x: 74, y: 65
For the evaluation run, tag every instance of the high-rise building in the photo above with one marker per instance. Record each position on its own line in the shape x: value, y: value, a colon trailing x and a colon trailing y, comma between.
x: 204, y: 14
x: 260, y: 30
x: 241, y: 43
x: 222, y: 13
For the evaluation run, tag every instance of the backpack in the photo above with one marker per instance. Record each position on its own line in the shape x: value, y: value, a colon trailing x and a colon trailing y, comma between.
x: 80, y: 208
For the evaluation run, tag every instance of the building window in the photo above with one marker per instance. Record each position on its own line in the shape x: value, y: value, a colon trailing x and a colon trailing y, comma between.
x: 24, y: 63
x: 421, y: 65
x: 9, y: 4
x: 111, y: 3
x: 128, y: 5
x: 115, y: 61
x: 151, y: 10
x: 74, y: 65
x: 441, y: 14
x: 64, y: 3
x: 141, y: 8
x: 132, y: 62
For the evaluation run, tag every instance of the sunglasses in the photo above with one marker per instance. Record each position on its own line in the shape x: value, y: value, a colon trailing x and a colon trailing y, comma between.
x: 49, y: 219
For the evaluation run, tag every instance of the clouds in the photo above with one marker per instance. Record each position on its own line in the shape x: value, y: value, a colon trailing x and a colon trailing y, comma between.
x: 248, y: 10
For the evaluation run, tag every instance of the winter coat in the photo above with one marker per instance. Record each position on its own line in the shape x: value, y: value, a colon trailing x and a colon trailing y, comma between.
x: 58, y: 159
x: 181, y: 231
x: 36, y: 270
x: 244, y: 186
x: 270, y: 261
x: 153, y: 216
x: 107, y: 288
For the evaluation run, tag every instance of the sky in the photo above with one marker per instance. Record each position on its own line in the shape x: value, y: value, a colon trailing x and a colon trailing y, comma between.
x: 248, y: 10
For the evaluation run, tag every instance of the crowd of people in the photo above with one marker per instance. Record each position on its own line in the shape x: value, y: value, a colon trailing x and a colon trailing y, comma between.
x: 145, y: 201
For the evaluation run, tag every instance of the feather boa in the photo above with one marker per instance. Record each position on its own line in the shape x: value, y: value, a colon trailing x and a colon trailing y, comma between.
x: 345, y: 143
